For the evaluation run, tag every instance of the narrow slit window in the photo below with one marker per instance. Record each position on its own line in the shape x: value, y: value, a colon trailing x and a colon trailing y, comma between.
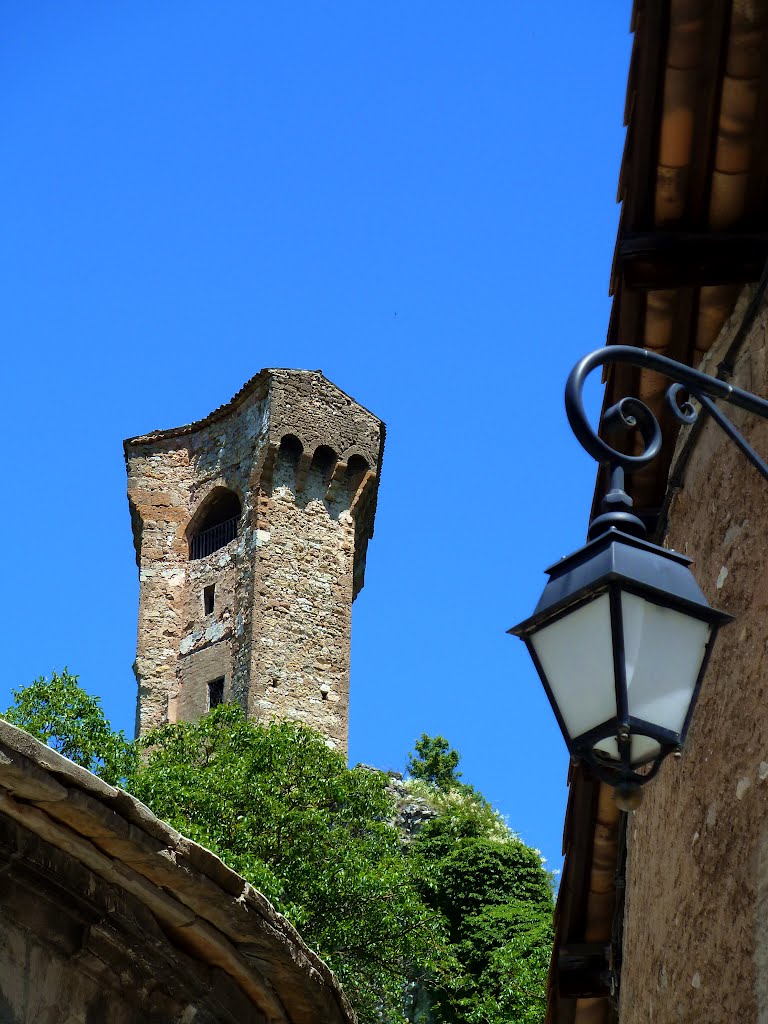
x: 209, y: 598
x: 215, y: 692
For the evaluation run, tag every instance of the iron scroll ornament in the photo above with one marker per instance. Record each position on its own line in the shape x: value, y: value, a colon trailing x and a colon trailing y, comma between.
x: 631, y: 413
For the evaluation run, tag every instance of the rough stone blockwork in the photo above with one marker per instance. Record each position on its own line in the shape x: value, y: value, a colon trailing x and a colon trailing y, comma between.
x: 251, y: 528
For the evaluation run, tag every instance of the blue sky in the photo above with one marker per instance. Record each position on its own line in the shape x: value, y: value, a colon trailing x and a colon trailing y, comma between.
x: 416, y: 198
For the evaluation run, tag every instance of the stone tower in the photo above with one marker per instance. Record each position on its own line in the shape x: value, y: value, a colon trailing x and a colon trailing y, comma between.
x: 251, y: 528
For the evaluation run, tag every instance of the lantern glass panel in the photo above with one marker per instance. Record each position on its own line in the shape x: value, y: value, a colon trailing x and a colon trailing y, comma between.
x: 663, y: 653
x: 664, y: 650
x: 576, y: 654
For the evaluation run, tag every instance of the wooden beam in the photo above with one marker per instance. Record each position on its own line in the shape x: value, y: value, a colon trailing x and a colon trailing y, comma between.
x: 675, y: 259
x: 643, y: 131
x: 577, y: 847
x: 583, y: 970
x: 757, y: 189
x: 707, y: 113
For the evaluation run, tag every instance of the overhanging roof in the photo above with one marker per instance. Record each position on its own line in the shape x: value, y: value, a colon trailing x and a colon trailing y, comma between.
x: 693, y: 189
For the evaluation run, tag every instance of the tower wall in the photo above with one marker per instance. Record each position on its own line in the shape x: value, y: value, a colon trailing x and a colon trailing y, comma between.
x: 303, y: 460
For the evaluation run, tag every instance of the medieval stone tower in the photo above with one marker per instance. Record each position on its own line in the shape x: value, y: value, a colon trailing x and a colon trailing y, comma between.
x: 251, y: 528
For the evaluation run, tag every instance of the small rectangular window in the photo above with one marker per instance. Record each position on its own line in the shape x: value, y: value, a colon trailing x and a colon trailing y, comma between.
x: 215, y: 692
x: 209, y: 598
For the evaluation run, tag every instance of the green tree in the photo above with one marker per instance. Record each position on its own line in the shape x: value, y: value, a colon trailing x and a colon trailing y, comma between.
x: 284, y: 811
x: 496, y: 898
x: 512, y: 984
x: 59, y: 712
x: 435, y: 762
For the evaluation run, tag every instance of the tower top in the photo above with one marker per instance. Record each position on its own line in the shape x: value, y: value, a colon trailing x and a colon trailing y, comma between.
x: 257, y: 388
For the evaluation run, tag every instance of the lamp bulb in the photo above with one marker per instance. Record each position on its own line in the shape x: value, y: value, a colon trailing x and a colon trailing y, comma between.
x: 628, y: 798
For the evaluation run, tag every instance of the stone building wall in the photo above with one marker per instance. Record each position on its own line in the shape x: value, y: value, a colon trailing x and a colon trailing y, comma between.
x: 696, y: 921
x: 303, y: 460
x: 76, y: 949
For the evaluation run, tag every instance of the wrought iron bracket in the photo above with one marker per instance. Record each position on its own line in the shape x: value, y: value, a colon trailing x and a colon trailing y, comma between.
x: 632, y: 414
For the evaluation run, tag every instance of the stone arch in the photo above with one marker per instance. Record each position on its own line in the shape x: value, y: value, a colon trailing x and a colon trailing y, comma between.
x: 324, y: 460
x: 291, y: 449
x: 215, y: 523
x: 357, y: 468
x: 288, y: 462
x: 320, y: 470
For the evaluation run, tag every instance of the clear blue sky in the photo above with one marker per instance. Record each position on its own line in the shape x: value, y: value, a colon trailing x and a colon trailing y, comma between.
x: 416, y: 198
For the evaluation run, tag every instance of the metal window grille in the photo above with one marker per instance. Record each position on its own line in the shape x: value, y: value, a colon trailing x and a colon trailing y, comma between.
x: 215, y: 537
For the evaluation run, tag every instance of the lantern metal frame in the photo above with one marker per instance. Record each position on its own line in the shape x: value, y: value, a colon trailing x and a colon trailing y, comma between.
x: 611, y: 561
x: 616, y: 563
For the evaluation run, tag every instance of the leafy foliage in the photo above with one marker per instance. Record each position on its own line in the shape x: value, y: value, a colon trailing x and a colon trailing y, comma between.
x: 512, y: 984
x: 59, y: 712
x: 434, y: 762
x: 460, y: 811
x: 451, y: 928
x: 284, y: 811
x: 480, y: 873
x: 496, y: 897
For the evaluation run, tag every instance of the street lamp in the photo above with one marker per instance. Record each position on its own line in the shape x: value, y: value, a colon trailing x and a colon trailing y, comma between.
x: 622, y: 633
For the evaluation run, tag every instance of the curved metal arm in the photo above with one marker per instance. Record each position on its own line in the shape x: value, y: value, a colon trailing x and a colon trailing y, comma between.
x: 631, y: 413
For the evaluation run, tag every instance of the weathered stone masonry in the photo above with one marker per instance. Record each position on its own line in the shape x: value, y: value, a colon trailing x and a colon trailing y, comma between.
x: 291, y: 464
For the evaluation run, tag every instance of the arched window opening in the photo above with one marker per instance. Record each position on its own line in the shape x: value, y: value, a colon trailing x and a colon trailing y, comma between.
x: 216, y: 523
x: 286, y: 471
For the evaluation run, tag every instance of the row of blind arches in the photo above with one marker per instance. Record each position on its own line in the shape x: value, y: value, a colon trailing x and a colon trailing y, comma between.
x: 216, y: 522
x: 324, y: 460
